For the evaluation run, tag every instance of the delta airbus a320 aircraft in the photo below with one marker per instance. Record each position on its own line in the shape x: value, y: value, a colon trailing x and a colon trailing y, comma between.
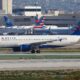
x: 33, y: 42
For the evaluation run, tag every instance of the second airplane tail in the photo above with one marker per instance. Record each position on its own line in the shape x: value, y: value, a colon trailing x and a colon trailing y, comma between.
x: 39, y: 21
x: 77, y: 29
x: 7, y: 21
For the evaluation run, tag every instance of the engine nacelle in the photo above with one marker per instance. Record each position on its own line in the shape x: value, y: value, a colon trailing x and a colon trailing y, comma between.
x: 22, y: 48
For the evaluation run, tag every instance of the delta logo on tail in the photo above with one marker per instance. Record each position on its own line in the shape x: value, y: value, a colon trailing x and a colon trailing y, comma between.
x: 39, y: 22
x: 8, y: 22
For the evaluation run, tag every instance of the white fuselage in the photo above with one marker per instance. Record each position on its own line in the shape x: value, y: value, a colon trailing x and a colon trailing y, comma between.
x: 17, y: 40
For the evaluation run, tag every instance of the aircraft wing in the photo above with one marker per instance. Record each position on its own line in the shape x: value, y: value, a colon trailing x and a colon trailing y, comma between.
x: 37, y: 44
x: 44, y: 42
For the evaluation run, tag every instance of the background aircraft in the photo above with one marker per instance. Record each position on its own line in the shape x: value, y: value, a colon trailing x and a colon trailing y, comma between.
x: 53, y: 30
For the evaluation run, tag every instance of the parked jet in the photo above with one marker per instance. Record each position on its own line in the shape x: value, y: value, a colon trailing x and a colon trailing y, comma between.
x: 54, y: 30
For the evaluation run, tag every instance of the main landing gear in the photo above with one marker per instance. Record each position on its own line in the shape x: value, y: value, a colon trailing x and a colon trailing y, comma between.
x: 35, y: 51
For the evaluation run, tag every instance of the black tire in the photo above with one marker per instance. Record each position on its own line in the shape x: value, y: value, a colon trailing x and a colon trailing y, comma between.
x: 32, y: 51
x: 38, y: 51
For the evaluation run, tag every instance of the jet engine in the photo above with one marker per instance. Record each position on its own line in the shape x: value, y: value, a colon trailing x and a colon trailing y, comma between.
x: 22, y: 48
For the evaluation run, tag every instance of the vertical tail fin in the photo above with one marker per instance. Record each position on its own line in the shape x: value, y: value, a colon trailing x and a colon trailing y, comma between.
x: 77, y: 29
x: 8, y: 22
x: 39, y: 21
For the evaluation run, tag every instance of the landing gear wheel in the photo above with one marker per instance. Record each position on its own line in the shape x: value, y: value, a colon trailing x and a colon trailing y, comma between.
x: 32, y: 51
x: 37, y: 51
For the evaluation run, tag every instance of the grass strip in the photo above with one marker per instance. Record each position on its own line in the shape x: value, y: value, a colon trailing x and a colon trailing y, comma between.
x: 33, y: 56
x: 40, y: 75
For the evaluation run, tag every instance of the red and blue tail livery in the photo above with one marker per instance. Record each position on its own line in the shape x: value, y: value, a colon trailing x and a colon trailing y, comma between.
x: 39, y: 21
